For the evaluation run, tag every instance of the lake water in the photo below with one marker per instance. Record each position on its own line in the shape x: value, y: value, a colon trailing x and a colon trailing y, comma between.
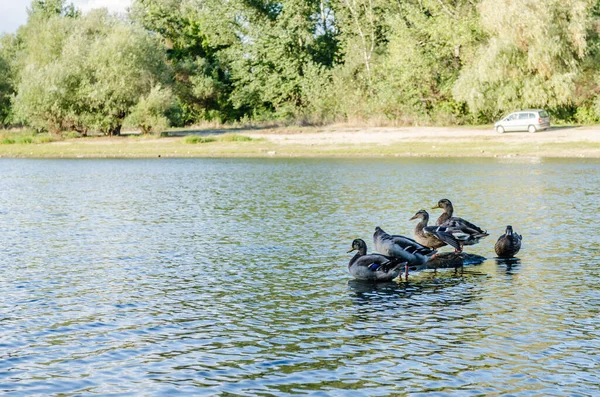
x: 229, y: 277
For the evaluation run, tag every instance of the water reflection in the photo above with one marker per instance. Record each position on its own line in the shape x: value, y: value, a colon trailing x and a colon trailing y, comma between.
x: 510, y: 264
x: 429, y: 288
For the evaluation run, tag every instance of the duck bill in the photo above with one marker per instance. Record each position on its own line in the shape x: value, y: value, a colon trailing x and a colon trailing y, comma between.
x: 437, y: 206
x: 414, y: 217
x: 350, y: 250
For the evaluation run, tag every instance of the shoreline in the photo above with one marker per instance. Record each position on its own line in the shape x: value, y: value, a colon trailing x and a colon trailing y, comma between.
x: 329, y: 141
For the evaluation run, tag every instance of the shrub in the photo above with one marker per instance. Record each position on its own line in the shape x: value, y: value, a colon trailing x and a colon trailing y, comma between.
x: 193, y: 139
x: 25, y: 138
x: 149, y: 113
x: 234, y: 138
x: 70, y: 134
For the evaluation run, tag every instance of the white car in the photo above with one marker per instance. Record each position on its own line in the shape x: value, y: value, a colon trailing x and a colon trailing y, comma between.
x: 531, y: 120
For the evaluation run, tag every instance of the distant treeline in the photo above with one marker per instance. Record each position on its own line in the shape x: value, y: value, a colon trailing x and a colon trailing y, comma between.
x: 182, y: 62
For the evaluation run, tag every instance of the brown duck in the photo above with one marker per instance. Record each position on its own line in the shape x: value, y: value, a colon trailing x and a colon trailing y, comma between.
x: 509, y: 244
x: 464, y: 231
x: 433, y: 236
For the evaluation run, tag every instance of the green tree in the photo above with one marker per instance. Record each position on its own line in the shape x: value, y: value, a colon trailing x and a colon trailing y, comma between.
x: 123, y: 63
x: 7, y: 73
x: 44, y: 86
x: 48, y: 8
x: 533, y: 56
x: 85, y: 73
x: 280, y: 46
x: 427, y: 43
x: 150, y: 112
x: 195, y: 33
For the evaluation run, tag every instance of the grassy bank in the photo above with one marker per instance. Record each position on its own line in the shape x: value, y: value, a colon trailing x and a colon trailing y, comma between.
x: 304, y: 143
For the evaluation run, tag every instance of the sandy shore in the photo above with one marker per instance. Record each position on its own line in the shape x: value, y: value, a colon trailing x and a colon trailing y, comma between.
x: 390, y: 135
x: 332, y: 141
x: 446, y: 141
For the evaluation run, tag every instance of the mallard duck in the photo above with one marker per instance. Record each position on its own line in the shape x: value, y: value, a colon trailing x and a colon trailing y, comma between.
x: 401, y: 247
x: 464, y: 231
x: 373, y: 267
x: 509, y: 244
x: 433, y: 236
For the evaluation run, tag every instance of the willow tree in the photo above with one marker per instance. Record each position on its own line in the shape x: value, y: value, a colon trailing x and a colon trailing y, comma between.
x: 400, y: 59
x: 427, y: 43
x: 123, y: 63
x: 45, y: 88
x: 533, y: 57
x: 84, y: 72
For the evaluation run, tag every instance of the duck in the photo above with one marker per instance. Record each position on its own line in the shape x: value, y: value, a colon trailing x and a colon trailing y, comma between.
x: 509, y: 244
x: 433, y: 236
x: 464, y: 231
x: 373, y: 267
x: 407, y: 249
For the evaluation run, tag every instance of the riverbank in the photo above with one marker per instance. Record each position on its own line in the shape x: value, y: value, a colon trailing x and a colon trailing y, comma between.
x: 329, y: 141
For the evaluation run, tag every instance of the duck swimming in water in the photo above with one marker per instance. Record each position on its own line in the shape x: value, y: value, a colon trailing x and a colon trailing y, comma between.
x: 373, y: 267
x: 464, y: 231
x: 401, y: 247
x: 509, y: 244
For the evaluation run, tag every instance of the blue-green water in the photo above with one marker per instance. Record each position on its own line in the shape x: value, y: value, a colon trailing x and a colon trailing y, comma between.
x: 229, y: 277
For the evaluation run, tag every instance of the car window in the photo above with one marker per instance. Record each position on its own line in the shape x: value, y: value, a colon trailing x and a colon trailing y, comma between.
x: 523, y: 116
x: 511, y: 117
x: 543, y: 113
x: 532, y: 115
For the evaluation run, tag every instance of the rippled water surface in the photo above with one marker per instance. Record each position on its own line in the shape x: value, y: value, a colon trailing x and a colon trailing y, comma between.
x: 229, y: 277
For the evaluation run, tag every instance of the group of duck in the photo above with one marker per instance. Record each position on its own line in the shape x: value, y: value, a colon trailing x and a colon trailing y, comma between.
x: 396, y: 253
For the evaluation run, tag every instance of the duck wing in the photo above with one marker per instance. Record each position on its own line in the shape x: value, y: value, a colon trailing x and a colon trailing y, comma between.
x: 465, y: 227
x: 380, y: 263
x: 410, y: 245
x: 442, y: 233
x: 398, y: 246
x: 377, y: 267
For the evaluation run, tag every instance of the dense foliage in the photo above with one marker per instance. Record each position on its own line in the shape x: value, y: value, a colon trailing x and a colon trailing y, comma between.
x: 178, y: 62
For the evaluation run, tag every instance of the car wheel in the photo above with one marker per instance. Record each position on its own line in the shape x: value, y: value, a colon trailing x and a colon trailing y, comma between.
x: 500, y: 129
x: 532, y: 129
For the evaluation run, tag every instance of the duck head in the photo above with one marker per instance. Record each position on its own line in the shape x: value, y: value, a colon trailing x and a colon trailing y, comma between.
x: 421, y: 214
x: 359, y: 245
x: 444, y: 204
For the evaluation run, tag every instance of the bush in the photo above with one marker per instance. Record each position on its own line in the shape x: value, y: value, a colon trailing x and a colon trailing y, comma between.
x: 149, y: 113
x: 25, y: 138
x: 234, y: 138
x: 70, y: 134
x: 193, y: 139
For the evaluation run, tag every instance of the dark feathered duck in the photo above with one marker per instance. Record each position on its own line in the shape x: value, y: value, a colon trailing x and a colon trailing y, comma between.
x: 464, y: 231
x: 433, y: 236
x: 509, y: 244
x: 401, y: 247
x: 373, y: 267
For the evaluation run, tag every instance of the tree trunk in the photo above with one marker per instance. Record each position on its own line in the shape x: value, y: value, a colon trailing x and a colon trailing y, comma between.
x: 116, y: 131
